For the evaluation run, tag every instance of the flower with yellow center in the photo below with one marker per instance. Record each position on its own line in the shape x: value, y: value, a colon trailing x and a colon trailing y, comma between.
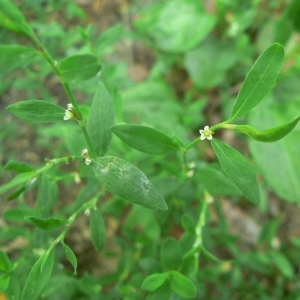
x: 206, y: 133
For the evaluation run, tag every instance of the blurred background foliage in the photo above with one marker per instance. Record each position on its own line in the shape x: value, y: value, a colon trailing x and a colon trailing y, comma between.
x: 176, y: 66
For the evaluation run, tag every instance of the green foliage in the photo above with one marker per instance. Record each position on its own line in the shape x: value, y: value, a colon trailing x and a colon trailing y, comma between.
x: 133, y: 202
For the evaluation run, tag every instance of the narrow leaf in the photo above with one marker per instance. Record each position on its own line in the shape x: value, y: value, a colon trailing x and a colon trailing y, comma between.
x: 259, y: 81
x: 79, y: 67
x: 101, y: 118
x: 47, y: 224
x: 154, y: 281
x: 38, y: 276
x: 18, y: 166
x: 238, y: 169
x: 145, y: 139
x: 37, y: 111
x: 12, y: 57
x: 269, y: 135
x: 97, y: 230
x: 70, y: 256
x: 182, y: 285
x: 127, y: 181
x: 5, y: 264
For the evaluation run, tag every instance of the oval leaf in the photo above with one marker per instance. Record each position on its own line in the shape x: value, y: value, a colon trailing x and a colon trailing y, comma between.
x: 269, y: 135
x: 182, y: 285
x: 127, y: 181
x: 18, y: 166
x: 38, y: 276
x: 238, y: 169
x: 70, y: 256
x: 5, y: 264
x: 47, y: 224
x: 79, y: 67
x: 145, y: 139
x: 97, y: 227
x: 154, y: 281
x: 100, y: 119
x: 258, y: 81
x: 12, y: 57
x: 37, y: 111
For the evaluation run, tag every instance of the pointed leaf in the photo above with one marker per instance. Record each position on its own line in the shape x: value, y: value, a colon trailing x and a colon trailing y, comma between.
x: 238, y: 169
x: 145, y: 139
x: 18, y: 166
x: 70, y: 256
x: 101, y: 118
x: 12, y: 57
x: 38, y: 276
x: 47, y: 224
x: 259, y: 81
x: 182, y: 285
x: 97, y: 227
x: 127, y: 181
x: 37, y: 111
x: 5, y: 264
x: 79, y: 67
x: 269, y: 135
x: 154, y: 281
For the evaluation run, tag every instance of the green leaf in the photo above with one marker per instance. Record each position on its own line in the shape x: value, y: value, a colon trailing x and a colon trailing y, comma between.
x: 171, y: 254
x: 154, y: 281
x: 182, y: 285
x: 4, y: 282
x: 38, y: 276
x: 12, y: 18
x: 13, y: 57
x: 18, y: 166
x: 238, y: 169
x: 17, y: 214
x: 282, y: 263
x: 269, y: 135
x: 98, y: 233
x: 5, y: 264
x: 37, y: 111
x: 79, y: 67
x: 145, y: 139
x: 101, y: 118
x: 70, y: 256
x: 259, y: 81
x: 47, y: 224
x: 127, y: 181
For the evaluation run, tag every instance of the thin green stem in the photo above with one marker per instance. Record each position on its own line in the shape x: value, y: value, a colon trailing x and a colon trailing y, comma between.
x: 192, y: 144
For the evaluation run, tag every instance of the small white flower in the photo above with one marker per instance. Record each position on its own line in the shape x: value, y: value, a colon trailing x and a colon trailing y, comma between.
x: 88, y: 161
x: 85, y: 154
x: 69, y: 113
x: 206, y: 133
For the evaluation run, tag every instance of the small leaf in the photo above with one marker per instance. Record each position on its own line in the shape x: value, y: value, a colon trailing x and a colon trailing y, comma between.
x: 259, y: 81
x: 13, y: 57
x: 282, y: 263
x: 70, y: 256
x: 127, y: 181
x: 171, y: 254
x: 5, y: 264
x: 37, y: 111
x: 154, y: 281
x: 18, y: 166
x: 238, y: 169
x: 38, y: 276
x: 269, y: 135
x: 97, y: 230
x: 145, y: 139
x: 101, y: 118
x: 79, y: 67
x: 47, y: 224
x: 182, y: 285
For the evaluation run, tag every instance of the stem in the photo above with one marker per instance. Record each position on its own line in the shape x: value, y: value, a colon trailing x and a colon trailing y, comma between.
x: 222, y: 125
x: 192, y: 144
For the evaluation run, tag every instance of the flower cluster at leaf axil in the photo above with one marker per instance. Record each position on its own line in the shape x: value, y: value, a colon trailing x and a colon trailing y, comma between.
x: 206, y: 133
x: 70, y: 113
x: 86, y: 156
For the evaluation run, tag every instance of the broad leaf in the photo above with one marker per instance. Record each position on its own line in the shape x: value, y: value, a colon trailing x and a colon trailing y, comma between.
x: 98, y: 232
x: 38, y: 276
x: 154, y: 281
x: 12, y: 57
x: 18, y: 166
x: 47, y: 224
x: 171, y: 254
x: 79, y: 67
x: 238, y: 169
x: 182, y: 285
x: 259, y: 81
x: 145, y: 139
x: 269, y: 135
x: 37, y: 111
x: 127, y: 181
x: 101, y: 118
x: 70, y: 256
